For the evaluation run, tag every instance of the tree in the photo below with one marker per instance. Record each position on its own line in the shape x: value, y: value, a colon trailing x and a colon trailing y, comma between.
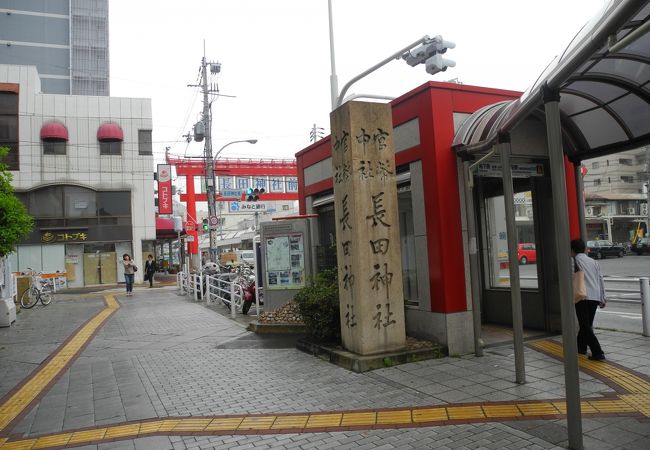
x: 15, y: 223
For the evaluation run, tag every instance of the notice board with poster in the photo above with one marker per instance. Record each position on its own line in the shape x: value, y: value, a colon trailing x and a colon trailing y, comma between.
x: 286, y: 261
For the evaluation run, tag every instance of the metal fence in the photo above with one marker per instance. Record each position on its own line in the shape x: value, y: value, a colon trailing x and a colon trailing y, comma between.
x: 223, y: 288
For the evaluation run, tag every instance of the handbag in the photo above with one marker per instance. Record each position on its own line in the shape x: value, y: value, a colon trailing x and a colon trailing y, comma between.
x: 579, y: 287
x: 135, y: 268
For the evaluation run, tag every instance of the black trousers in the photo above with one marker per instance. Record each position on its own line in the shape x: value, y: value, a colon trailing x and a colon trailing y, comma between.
x: 586, y: 311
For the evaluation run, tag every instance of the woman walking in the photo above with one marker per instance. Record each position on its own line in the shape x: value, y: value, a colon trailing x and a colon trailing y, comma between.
x: 586, y: 309
x: 129, y: 273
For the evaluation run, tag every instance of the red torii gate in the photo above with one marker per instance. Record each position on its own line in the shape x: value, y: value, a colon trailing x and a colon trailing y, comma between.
x: 190, y: 168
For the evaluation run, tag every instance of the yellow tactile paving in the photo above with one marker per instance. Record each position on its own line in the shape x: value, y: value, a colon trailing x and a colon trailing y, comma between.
x: 494, y: 411
x: 26, y: 444
x: 29, y: 391
x: 626, y: 380
x: 284, y: 422
x: 122, y: 431
x: 257, y: 423
x: 640, y: 402
x: 150, y: 427
x: 168, y: 425
x: 465, y: 412
x: 537, y: 409
x: 324, y: 420
x: 361, y: 418
x: 192, y: 425
x: 87, y: 436
x: 612, y: 406
x: 430, y: 415
x: 394, y: 417
x: 52, y: 441
x: 225, y: 424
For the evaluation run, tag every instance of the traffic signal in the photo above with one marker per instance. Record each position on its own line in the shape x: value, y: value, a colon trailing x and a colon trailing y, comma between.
x: 253, y: 195
x: 206, y: 227
x: 429, y: 54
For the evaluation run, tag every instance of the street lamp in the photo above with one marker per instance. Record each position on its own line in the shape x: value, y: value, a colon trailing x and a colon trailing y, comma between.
x: 212, y: 209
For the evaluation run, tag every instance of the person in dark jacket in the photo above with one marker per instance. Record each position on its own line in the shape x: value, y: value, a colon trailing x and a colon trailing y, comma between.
x: 596, y: 296
x: 149, y: 270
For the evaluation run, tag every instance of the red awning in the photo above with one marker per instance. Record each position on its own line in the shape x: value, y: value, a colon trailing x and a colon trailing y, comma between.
x: 165, y: 229
x: 55, y: 131
x: 110, y: 132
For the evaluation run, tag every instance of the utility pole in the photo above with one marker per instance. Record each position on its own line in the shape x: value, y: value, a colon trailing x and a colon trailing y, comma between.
x: 206, y: 121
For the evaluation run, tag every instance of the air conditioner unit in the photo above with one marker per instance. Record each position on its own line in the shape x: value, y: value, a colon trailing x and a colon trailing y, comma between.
x: 631, y: 211
x: 590, y: 211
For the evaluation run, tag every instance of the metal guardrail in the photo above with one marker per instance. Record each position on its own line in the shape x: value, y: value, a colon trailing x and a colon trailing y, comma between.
x: 218, y: 288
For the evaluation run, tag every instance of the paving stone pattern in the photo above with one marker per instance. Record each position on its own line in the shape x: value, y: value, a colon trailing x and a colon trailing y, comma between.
x: 159, y: 355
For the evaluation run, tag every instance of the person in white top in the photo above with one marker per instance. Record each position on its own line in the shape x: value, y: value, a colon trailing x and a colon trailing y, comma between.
x: 596, y: 296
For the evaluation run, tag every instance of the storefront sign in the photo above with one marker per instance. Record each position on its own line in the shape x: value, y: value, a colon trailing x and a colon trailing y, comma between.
x: 164, y: 189
x: 285, y: 262
x: 518, y: 170
x: 247, y: 207
x: 50, y: 237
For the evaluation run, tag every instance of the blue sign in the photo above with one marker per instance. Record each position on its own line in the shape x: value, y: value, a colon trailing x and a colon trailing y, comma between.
x: 231, y: 194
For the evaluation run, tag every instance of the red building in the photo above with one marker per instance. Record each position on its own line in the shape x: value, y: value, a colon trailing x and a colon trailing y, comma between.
x: 431, y: 214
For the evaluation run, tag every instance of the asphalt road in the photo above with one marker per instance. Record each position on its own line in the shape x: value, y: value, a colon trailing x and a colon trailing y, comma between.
x: 623, y: 311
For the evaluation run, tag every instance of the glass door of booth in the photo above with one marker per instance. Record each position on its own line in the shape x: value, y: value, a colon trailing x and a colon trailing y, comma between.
x: 532, y: 224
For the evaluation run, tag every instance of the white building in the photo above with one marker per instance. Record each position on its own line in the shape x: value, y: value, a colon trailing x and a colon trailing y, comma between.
x: 83, y: 166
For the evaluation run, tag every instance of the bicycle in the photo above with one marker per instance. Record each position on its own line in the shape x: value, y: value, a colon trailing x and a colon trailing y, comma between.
x: 39, y: 289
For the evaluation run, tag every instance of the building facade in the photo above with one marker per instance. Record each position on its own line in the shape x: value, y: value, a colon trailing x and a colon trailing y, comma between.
x: 67, y: 40
x: 83, y: 167
x: 616, y: 201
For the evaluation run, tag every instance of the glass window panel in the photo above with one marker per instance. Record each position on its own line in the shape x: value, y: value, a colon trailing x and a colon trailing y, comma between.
x: 29, y: 257
x: 602, y: 91
x: 9, y: 128
x: 634, y: 111
x: 46, y: 202
x: 599, y: 128
x: 496, y: 260
x: 625, y: 68
x: 110, y: 148
x: 79, y: 202
x: 572, y: 104
x: 407, y: 243
x: 114, y: 203
x: 144, y: 142
x: 54, y: 147
x: 12, y: 159
x: 8, y: 103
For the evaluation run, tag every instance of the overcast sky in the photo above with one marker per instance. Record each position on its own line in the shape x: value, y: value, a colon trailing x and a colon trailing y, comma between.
x: 276, y: 61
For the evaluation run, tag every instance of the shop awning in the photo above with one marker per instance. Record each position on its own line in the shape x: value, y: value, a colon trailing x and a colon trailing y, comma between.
x: 110, y: 132
x: 54, y: 131
x: 603, y: 78
x: 165, y: 229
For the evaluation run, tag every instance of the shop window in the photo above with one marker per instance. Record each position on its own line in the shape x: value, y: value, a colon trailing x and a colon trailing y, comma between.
x: 597, y: 182
x: 9, y: 128
x: 625, y: 162
x: 79, y: 202
x: 144, y: 142
x: 46, y: 202
x: 627, y: 179
x: 110, y: 148
x: 117, y: 203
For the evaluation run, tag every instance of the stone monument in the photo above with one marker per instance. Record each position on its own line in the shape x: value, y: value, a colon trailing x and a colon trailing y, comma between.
x: 367, y: 234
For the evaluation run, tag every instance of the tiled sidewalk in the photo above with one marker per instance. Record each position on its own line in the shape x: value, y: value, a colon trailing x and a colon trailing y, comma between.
x: 158, y: 364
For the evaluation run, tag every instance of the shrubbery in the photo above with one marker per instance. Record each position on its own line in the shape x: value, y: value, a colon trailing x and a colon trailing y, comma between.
x: 319, y: 306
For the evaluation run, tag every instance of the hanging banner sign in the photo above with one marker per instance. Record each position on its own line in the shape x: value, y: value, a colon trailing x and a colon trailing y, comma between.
x: 164, y: 189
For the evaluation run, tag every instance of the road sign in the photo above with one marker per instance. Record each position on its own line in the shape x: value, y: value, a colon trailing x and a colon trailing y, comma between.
x: 190, y: 225
x: 231, y: 194
x: 213, y: 220
x: 247, y: 207
x: 189, y: 238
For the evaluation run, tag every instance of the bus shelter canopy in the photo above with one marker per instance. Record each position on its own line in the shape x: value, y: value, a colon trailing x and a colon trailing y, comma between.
x: 603, y: 80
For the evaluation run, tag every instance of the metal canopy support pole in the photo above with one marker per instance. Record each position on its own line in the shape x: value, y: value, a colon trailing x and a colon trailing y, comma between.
x: 473, y: 259
x: 580, y: 192
x: 513, y: 261
x: 562, y: 249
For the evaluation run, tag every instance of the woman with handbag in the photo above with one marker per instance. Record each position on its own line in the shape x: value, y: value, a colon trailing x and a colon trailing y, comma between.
x: 129, y: 273
x: 588, y: 302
